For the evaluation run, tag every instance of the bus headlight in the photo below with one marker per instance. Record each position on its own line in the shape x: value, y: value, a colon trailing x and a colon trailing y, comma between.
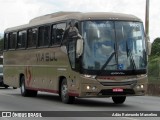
x: 94, y: 88
x: 138, y: 87
x: 142, y: 86
x: 87, y: 76
x: 88, y: 87
x: 90, y: 76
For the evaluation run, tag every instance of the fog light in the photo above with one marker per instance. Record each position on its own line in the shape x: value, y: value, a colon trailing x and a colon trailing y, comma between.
x: 93, y: 88
x: 138, y: 87
x: 88, y: 87
x: 142, y: 86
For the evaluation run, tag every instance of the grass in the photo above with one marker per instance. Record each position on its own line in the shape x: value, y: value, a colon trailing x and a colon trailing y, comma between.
x: 154, y: 70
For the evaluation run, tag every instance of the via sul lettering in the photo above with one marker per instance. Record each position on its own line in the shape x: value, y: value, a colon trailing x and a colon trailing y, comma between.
x: 46, y: 57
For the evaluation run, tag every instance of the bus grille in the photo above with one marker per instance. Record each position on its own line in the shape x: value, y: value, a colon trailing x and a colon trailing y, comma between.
x: 119, y: 83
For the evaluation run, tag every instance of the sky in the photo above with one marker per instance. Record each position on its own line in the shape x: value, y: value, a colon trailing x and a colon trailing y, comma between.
x: 19, y: 12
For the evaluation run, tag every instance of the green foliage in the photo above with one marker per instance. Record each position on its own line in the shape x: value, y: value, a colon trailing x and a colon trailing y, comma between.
x: 1, y: 43
x: 155, y: 48
x: 154, y: 62
x: 154, y: 70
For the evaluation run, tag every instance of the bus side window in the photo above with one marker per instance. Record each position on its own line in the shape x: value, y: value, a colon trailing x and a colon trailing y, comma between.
x: 44, y: 36
x: 6, y: 37
x: 70, y: 31
x: 12, y: 40
x: 22, y: 37
x: 32, y: 37
x: 57, y: 33
x: 53, y: 36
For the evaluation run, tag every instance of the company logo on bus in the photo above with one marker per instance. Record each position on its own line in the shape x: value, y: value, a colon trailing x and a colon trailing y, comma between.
x: 46, y: 57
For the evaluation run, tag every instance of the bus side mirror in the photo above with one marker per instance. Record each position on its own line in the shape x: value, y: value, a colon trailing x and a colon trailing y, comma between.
x: 149, y: 45
x: 79, y: 48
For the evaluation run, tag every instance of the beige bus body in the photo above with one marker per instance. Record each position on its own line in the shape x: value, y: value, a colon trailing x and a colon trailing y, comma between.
x: 45, y: 68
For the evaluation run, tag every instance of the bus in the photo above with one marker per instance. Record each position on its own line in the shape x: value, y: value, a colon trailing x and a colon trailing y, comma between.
x: 78, y: 55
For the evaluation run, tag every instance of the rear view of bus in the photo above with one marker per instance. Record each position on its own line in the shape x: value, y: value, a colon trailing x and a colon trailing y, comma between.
x: 99, y: 55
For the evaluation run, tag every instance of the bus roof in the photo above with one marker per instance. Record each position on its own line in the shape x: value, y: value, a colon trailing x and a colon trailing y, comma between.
x: 60, y: 16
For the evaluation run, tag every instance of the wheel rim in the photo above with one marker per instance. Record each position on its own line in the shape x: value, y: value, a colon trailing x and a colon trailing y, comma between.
x: 64, y: 91
x: 22, y: 87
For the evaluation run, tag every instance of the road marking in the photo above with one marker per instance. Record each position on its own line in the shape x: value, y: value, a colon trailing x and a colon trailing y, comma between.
x: 2, y: 118
x: 7, y: 95
x: 129, y: 118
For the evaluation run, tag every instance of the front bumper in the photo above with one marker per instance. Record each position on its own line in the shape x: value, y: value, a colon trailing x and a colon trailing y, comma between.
x: 130, y: 87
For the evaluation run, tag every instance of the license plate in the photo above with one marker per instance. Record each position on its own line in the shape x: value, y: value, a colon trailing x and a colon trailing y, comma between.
x: 117, y: 90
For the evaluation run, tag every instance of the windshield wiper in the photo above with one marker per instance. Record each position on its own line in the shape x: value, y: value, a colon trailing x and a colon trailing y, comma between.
x: 108, y: 60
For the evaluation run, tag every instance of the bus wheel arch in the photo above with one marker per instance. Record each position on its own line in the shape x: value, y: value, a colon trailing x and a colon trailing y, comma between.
x: 63, y: 91
x: 24, y: 91
x: 20, y: 76
x: 61, y: 78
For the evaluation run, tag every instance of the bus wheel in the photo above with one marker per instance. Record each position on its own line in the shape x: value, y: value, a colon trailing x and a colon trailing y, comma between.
x: 64, y: 93
x: 6, y: 86
x: 119, y: 99
x: 25, y: 92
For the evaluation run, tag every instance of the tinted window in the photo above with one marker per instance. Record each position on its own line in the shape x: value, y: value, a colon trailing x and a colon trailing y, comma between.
x: 22, y: 37
x: 57, y: 33
x: 44, y: 36
x: 32, y: 37
x: 1, y: 69
x: 54, y: 34
x: 6, y: 42
x: 12, y: 40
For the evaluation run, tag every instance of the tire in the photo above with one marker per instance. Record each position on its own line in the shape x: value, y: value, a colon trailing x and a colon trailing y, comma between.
x: 119, y: 99
x: 64, y: 93
x: 14, y: 87
x: 6, y: 86
x: 25, y: 92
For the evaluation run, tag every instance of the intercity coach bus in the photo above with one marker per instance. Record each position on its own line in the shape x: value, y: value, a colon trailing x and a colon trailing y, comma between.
x: 76, y: 54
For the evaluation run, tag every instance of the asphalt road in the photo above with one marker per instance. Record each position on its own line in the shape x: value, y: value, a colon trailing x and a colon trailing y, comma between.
x: 11, y: 100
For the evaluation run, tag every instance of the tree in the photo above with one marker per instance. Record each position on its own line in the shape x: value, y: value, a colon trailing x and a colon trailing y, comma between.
x: 1, y: 44
x: 156, y: 47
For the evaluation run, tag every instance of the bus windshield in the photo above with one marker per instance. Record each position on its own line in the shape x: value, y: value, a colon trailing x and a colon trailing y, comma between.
x: 114, y: 45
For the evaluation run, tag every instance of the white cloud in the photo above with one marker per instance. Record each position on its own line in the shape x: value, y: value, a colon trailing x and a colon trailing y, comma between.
x: 17, y: 12
x: 154, y: 19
